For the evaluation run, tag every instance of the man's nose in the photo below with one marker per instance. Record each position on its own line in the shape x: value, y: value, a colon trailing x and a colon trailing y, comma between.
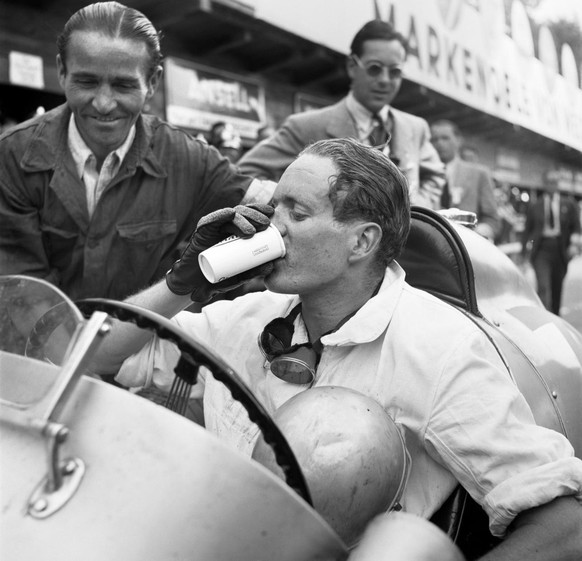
x: 276, y: 220
x: 104, y: 100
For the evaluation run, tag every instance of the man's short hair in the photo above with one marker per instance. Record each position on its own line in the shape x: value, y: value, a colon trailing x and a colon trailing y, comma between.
x: 116, y: 21
x: 376, y: 29
x: 368, y: 187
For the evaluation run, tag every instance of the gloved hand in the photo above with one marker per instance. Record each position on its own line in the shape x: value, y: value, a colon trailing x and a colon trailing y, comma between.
x: 185, y: 276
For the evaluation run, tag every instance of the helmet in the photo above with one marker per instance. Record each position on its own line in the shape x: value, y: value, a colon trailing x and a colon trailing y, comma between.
x: 351, y: 452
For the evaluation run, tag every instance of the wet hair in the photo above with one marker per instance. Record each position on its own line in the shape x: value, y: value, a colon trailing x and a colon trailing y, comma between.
x: 116, y: 21
x: 376, y: 29
x: 368, y: 187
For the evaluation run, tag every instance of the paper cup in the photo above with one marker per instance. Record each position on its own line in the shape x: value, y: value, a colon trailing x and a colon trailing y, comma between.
x: 235, y: 255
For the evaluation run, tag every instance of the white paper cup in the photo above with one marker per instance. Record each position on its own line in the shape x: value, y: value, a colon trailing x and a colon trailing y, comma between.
x: 235, y: 255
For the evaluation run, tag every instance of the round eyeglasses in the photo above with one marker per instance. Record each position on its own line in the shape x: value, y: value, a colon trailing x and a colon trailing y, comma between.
x: 375, y: 69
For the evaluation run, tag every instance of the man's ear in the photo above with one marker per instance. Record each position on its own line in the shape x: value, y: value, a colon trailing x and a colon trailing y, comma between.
x: 350, y: 66
x: 367, y: 239
x: 154, y: 81
x: 61, y: 71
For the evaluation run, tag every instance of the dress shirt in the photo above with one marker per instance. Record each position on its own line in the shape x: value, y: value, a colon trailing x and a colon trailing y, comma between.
x: 455, y: 191
x: 364, y: 119
x: 95, y: 180
x: 462, y: 415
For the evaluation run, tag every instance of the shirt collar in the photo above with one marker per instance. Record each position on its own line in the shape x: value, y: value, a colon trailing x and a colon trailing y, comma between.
x: 362, y: 116
x: 81, y: 152
x: 370, y: 321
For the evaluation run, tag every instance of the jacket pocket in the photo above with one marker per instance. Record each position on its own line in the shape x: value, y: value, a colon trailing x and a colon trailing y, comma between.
x: 141, y: 248
x: 146, y: 232
x: 59, y: 245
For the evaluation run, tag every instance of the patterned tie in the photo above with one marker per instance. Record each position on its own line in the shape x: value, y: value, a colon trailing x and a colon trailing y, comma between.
x: 379, y: 134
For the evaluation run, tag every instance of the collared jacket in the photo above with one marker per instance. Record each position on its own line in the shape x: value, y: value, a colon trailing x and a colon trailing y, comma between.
x: 463, y: 416
x: 471, y: 188
x: 410, y: 146
x: 166, y: 183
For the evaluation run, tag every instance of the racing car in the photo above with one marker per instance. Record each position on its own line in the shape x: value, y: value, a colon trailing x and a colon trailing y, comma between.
x: 92, y: 470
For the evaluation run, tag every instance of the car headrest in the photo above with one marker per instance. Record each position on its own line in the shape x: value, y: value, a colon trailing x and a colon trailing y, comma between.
x: 435, y: 259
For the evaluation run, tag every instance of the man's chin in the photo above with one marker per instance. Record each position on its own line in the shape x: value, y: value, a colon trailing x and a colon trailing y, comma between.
x: 275, y: 284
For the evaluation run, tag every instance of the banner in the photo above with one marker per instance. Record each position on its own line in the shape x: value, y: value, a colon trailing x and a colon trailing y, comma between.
x: 197, y: 97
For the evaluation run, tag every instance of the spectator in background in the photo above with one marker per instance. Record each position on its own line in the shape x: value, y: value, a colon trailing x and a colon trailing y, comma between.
x: 469, y: 185
x: 375, y: 69
x: 226, y: 140
x: 469, y: 153
x: 550, y: 224
x: 508, y: 217
x: 95, y: 196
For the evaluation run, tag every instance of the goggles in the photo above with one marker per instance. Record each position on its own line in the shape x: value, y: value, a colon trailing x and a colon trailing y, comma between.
x: 375, y: 69
x: 295, y: 364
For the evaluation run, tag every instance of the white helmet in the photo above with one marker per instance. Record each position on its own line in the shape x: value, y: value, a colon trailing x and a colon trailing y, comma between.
x: 351, y: 452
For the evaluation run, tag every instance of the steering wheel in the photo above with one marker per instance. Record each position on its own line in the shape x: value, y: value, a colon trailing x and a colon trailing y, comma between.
x: 194, y: 354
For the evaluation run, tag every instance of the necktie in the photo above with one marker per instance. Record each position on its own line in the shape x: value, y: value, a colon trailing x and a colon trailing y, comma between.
x: 551, y: 221
x: 379, y: 134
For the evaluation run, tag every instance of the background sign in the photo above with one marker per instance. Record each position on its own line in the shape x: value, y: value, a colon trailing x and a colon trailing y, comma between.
x: 197, y: 97
x: 25, y: 70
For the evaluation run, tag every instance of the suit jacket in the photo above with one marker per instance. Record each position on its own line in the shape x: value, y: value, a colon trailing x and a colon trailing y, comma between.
x: 534, y: 225
x: 410, y: 146
x: 471, y: 188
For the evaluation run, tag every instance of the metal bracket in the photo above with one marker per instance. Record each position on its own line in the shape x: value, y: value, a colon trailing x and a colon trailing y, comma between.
x: 63, y: 477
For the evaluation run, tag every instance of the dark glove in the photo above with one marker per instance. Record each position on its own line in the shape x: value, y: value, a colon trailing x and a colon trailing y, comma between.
x: 185, y: 276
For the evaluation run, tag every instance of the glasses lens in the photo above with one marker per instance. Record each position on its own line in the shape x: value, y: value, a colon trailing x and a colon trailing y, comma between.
x: 374, y: 69
x: 395, y: 73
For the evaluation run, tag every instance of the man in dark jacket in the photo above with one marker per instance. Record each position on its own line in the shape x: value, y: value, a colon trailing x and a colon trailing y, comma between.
x: 95, y: 196
x: 550, y: 224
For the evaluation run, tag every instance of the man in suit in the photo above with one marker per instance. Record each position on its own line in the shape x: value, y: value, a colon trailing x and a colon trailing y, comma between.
x: 374, y: 67
x: 551, y: 222
x: 469, y: 185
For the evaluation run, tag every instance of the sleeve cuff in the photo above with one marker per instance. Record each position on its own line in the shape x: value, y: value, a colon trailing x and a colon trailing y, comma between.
x: 530, y: 489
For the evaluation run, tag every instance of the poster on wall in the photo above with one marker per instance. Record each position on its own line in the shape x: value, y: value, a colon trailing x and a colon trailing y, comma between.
x: 198, y: 96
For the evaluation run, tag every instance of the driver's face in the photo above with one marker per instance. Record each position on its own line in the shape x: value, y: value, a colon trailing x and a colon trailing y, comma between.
x: 317, y: 245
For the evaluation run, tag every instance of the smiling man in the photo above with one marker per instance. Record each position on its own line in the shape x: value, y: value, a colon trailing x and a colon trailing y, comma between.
x: 95, y: 195
x: 375, y: 69
x: 348, y: 314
